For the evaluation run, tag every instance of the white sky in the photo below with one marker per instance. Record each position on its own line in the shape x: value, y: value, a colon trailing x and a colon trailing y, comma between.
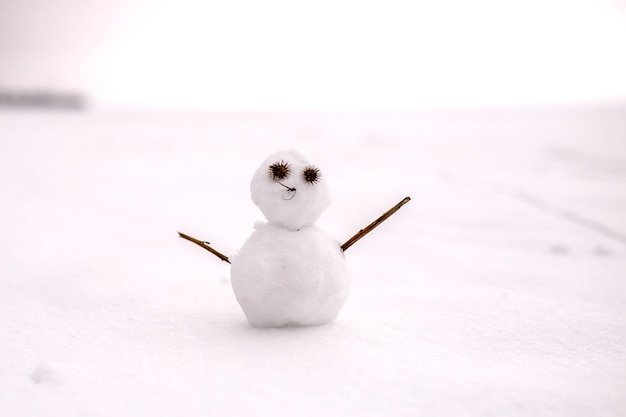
x: 338, y: 54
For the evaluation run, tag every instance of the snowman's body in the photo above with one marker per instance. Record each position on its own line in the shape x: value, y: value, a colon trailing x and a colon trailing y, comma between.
x: 290, y: 278
x: 290, y: 272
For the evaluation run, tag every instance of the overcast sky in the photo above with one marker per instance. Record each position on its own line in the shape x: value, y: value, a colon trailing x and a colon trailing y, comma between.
x: 338, y: 54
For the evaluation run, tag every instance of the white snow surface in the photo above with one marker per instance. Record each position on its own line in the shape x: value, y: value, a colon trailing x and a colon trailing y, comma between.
x: 284, y: 277
x: 500, y: 289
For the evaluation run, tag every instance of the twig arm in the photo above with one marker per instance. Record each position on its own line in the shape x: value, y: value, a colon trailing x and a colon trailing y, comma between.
x: 374, y: 224
x: 204, y: 245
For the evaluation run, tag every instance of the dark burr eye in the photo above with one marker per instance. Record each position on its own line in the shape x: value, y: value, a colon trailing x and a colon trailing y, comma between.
x: 311, y: 174
x: 279, y: 170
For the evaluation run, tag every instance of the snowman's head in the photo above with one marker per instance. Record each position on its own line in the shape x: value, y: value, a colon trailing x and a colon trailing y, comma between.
x: 290, y: 189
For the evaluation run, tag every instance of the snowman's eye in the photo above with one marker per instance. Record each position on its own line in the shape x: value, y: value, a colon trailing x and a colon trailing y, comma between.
x: 279, y: 170
x: 311, y: 174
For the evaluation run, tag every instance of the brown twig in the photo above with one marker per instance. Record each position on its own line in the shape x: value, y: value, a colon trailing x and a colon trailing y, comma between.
x: 204, y: 245
x: 374, y: 224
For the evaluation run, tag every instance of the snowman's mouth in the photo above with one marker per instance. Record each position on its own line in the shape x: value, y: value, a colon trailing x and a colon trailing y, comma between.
x: 288, y: 192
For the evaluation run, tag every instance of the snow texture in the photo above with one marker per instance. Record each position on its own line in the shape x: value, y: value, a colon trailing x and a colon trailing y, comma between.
x: 499, y: 290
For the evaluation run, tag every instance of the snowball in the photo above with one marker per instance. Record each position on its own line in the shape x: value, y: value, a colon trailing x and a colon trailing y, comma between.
x: 282, y: 277
x: 294, y: 194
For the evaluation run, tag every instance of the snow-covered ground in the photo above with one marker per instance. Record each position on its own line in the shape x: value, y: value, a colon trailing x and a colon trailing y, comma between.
x: 500, y: 289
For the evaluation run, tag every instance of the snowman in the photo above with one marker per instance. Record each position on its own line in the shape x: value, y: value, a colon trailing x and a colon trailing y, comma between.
x: 290, y: 272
